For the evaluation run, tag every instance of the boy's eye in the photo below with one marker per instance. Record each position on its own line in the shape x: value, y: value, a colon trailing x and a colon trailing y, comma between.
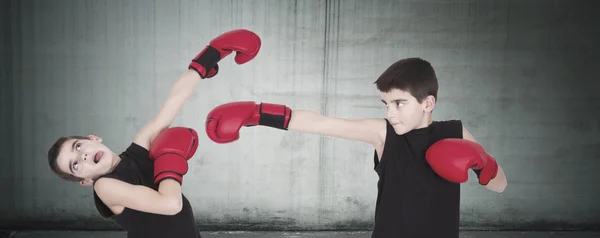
x: 75, y: 166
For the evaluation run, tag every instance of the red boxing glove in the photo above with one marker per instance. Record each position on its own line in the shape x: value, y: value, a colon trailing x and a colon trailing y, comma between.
x: 223, y: 123
x: 245, y: 43
x: 452, y: 158
x: 170, y: 151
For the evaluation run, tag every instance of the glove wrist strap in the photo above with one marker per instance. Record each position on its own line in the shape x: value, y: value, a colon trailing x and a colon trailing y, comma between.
x: 274, y: 115
x: 207, y: 59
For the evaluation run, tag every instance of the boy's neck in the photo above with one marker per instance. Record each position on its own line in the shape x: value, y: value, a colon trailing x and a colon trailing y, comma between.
x: 117, y: 160
x: 428, y: 119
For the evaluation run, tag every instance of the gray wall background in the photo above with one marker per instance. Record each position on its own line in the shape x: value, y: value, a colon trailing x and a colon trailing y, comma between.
x: 520, y: 74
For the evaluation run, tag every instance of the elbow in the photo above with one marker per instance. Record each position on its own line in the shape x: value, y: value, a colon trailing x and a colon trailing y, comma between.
x: 503, y: 187
x: 500, y: 188
x: 174, y: 206
x: 497, y: 186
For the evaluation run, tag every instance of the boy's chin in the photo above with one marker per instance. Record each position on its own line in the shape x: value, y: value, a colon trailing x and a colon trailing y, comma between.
x: 400, y: 130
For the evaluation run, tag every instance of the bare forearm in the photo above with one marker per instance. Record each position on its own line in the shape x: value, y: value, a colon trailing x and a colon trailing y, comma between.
x: 307, y: 122
x: 181, y: 91
x: 185, y: 85
x: 363, y: 130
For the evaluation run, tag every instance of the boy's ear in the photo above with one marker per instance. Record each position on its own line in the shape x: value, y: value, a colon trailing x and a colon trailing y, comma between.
x: 429, y: 103
x: 86, y: 182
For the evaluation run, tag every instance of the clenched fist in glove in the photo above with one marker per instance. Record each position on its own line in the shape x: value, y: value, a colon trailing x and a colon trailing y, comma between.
x: 452, y: 158
x: 170, y: 151
x: 224, y: 122
x: 245, y: 43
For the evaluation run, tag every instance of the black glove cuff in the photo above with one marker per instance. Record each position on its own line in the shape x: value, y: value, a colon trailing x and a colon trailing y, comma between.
x: 279, y: 121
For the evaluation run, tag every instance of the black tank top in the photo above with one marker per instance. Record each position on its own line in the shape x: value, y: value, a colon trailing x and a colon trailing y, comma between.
x: 135, y: 168
x: 412, y: 200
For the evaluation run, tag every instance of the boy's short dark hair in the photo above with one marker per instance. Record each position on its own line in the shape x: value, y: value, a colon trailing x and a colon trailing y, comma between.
x: 53, y: 156
x: 414, y: 75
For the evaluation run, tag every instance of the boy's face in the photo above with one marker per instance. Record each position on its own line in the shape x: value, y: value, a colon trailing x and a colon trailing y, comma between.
x: 86, y: 159
x: 404, y: 112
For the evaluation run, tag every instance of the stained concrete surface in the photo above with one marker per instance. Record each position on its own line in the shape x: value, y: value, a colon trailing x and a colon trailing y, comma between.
x: 243, y: 234
x: 519, y: 74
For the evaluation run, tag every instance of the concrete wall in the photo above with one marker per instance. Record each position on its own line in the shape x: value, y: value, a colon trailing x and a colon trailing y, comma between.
x: 520, y: 74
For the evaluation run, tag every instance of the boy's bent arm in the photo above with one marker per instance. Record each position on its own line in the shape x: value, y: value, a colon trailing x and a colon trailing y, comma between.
x: 181, y: 91
x: 166, y: 201
x: 498, y: 183
x: 371, y: 131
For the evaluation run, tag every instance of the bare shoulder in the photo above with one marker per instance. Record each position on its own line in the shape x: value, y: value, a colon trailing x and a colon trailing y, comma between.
x: 378, y: 126
x: 369, y: 130
x: 146, y: 135
x: 109, y: 190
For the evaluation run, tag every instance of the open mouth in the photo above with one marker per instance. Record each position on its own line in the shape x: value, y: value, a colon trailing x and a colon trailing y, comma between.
x: 98, y: 157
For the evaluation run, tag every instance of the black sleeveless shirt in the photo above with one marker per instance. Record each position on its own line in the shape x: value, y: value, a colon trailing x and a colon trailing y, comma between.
x: 135, y: 168
x: 412, y: 200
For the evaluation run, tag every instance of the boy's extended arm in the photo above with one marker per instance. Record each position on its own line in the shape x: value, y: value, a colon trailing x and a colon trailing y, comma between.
x: 224, y: 122
x: 371, y: 130
x: 246, y: 45
x: 181, y: 91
